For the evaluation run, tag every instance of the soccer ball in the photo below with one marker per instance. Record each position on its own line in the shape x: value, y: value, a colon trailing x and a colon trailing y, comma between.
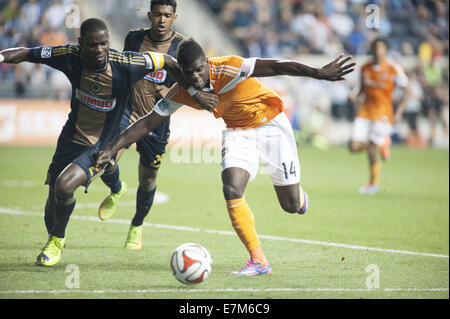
x: 191, y: 263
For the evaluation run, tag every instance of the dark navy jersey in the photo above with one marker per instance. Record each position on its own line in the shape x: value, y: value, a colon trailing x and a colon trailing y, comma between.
x: 155, y: 85
x: 99, y: 97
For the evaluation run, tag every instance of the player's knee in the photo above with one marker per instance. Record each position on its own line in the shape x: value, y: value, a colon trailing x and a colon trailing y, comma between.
x: 291, y: 206
x: 147, y: 184
x: 354, y: 146
x: 231, y: 191
x: 63, y: 186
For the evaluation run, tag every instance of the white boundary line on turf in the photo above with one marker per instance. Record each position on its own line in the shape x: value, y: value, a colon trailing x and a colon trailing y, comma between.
x: 9, y: 211
x: 218, y: 290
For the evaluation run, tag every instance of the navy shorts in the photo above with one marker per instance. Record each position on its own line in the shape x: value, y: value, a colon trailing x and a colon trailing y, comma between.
x: 68, y: 152
x: 152, y: 147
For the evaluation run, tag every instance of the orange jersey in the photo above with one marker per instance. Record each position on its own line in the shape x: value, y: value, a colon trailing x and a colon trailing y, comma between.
x: 244, y: 102
x: 378, y: 82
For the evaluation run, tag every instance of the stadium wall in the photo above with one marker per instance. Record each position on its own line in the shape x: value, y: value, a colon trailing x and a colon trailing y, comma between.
x: 39, y: 122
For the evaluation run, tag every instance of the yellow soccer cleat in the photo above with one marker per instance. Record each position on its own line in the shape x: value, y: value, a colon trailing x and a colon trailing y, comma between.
x: 51, y: 253
x: 134, y: 238
x: 108, y: 206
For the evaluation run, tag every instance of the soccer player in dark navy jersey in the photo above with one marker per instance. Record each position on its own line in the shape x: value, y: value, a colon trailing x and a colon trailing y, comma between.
x: 102, y: 79
x: 146, y: 92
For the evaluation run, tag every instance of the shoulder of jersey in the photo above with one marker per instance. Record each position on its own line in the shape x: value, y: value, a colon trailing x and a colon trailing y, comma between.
x: 226, y: 65
x: 226, y: 60
x: 120, y: 57
x: 73, y: 49
x: 179, y: 35
x: 394, y: 65
x: 138, y: 30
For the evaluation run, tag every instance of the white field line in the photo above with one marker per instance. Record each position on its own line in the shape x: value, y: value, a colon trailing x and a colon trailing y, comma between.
x: 4, y: 210
x: 217, y: 290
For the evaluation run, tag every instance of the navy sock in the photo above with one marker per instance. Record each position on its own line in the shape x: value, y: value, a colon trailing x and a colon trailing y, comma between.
x: 49, y: 211
x: 144, y: 201
x: 63, y: 209
x: 49, y: 214
x: 112, y: 180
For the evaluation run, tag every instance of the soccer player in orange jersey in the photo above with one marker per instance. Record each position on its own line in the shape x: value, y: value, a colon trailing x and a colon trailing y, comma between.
x: 257, y: 129
x: 372, y: 126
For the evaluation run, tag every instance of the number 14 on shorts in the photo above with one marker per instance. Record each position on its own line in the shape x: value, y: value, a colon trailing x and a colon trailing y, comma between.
x: 291, y: 170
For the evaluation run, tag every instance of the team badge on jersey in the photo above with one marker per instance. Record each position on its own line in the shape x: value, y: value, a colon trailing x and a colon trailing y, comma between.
x: 163, y: 105
x: 157, y: 77
x: 46, y: 53
x: 95, y: 87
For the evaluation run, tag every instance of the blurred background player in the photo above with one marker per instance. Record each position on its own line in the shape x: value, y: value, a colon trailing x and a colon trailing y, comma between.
x: 372, y: 125
x: 147, y: 91
x: 257, y: 128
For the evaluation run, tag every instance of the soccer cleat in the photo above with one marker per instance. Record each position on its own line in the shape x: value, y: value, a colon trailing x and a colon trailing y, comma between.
x: 109, y: 204
x: 386, y: 148
x: 51, y: 253
x: 134, y: 238
x: 253, y: 269
x: 304, y: 202
x: 369, y: 189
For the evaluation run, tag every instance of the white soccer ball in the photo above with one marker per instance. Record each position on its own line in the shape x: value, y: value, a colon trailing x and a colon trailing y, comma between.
x: 191, y: 263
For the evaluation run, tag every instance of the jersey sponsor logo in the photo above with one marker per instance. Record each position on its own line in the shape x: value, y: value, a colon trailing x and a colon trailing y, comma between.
x: 157, y: 77
x: 46, y: 53
x: 94, y: 102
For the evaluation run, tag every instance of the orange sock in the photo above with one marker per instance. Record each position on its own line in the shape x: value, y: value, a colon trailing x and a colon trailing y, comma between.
x: 243, y: 223
x: 375, y: 170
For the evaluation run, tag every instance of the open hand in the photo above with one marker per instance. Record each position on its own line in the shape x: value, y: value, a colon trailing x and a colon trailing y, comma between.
x: 206, y: 100
x: 336, y: 69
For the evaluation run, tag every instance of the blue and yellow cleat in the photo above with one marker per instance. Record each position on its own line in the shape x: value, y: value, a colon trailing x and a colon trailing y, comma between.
x: 108, y: 206
x: 51, y: 253
x: 304, y: 202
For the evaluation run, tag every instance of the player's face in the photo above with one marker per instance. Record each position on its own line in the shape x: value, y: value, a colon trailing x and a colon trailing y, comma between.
x: 95, y: 47
x: 197, y: 73
x: 162, y: 18
x: 380, y: 50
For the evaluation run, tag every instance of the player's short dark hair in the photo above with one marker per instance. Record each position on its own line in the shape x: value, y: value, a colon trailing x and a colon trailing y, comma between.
x: 92, y: 25
x: 189, y: 51
x: 171, y: 3
x: 375, y: 41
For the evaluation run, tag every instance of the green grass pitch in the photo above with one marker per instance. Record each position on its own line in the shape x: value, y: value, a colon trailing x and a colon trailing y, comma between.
x: 403, y: 232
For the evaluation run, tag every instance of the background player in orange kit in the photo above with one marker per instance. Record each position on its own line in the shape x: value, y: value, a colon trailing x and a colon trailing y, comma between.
x: 372, y: 126
x: 257, y: 129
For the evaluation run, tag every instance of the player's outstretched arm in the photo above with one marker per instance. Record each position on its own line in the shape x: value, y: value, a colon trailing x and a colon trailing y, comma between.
x: 333, y: 71
x: 14, y: 55
x: 132, y: 134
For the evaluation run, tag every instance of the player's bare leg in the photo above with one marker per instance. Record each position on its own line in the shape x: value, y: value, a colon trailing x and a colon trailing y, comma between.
x: 375, y: 169
x: 355, y: 146
x: 234, y: 183
x: 293, y: 199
